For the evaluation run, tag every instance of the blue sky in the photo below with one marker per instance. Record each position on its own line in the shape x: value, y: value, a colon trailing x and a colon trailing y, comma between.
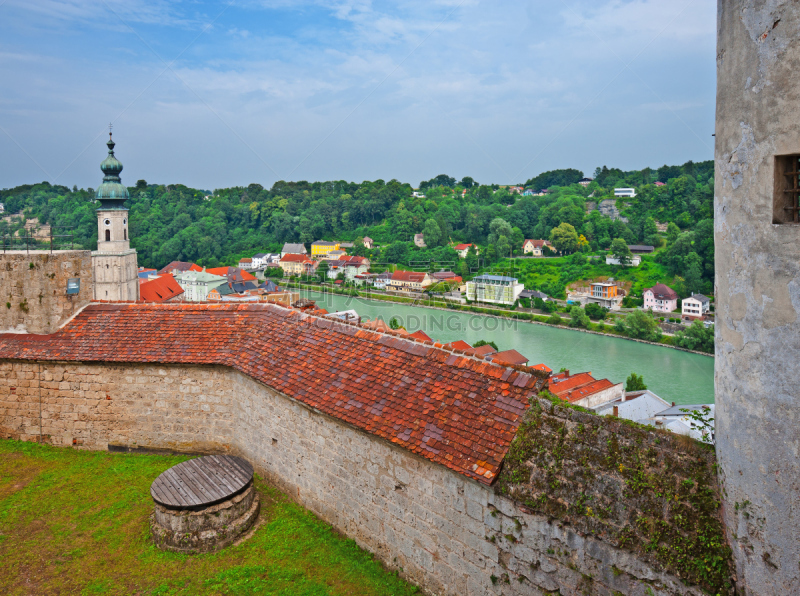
x: 215, y: 94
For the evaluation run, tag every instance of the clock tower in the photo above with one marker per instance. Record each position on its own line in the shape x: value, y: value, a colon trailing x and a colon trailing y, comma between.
x: 114, y: 261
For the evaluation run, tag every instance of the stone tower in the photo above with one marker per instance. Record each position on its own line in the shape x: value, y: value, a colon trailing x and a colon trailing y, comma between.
x: 757, y: 234
x: 114, y: 261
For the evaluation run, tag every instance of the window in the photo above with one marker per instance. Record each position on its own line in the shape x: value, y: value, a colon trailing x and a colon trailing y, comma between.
x: 125, y: 233
x: 108, y: 235
x: 786, y: 208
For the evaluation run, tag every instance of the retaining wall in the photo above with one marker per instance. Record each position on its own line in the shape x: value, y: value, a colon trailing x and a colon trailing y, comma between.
x: 444, y: 532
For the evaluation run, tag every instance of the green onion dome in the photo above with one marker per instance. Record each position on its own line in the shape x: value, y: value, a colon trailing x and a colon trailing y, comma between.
x: 112, y: 194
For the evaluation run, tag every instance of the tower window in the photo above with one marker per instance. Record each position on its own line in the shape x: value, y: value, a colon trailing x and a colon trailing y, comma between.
x: 108, y: 235
x: 125, y: 233
x: 786, y: 202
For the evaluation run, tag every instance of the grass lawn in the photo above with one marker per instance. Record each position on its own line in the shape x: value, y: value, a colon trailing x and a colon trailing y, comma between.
x: 76, y: 522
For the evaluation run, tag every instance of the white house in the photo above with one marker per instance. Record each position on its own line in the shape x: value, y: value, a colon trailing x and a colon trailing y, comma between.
x: 262, y: 260
x: 293, y: 249
x: 2, y: 208
x: 585, y: 181
x: 463, y: 249
x: 636, y: 406
x: 535, y: 247
x: 634, y: 261
x: 381, y: 280
x: 660, y: 298
x: 677, y: 419
x: 367, y: 242
x: 418, y: 195
x: 197, y: 284
x: 497, y: 289
x: 627, y: 193
x: 695, y: 306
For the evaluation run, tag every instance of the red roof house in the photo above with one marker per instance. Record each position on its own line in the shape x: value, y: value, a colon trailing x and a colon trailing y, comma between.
x: 159, y: 289
x: 458, y: 345
x: 510, y: 357
x: 421, y: 336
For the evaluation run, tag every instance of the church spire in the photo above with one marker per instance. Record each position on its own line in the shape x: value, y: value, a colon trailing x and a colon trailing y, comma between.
x: 112, y: 194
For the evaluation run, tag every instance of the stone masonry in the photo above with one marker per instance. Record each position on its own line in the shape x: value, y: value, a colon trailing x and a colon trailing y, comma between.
x: 443, y: 531
x: 758, y: 289
x: 33, y: 289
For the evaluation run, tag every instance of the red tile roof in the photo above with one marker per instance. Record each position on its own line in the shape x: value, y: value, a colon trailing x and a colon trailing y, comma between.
x: 537, y: 243
x: 454, y: 410
x: 482, y: 351
x: 585, y: 390
x: 421, y: 335
x: 159, y: 289
x: 232, y: 273
x: 181, y: 267
x: 411, y: 276
x: 569, y: 382
x: 510, y: 357
x: 543, y: 367
x: 458, y: 345
x: 295, y: 258
x: 462, y: 246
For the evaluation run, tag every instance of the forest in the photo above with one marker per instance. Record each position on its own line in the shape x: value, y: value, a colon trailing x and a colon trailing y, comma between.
x: 173, y: 222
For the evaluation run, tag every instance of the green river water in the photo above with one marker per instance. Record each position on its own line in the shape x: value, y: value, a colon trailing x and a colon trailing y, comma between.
x: 671, y: 374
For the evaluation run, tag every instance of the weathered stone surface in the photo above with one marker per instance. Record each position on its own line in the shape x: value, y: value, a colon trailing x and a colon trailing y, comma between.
x: 758, y: 292
x: 207, y: 530
x: 33, y: 289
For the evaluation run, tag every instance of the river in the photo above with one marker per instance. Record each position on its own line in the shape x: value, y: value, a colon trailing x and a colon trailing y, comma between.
x: 674, y: 375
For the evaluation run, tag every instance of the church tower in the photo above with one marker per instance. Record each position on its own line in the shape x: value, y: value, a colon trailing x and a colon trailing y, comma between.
x: 114, y: 262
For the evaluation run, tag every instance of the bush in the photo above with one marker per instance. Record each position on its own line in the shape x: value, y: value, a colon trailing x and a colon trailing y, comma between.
x: 578, y: 317
x: 595, y: 311
x: 640, y: 325
x: 555, y: 320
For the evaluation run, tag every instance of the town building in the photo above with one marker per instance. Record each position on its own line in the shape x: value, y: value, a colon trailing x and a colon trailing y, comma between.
x: 2, y: 208
x: 367, y: 242
x: 262, y: 260
x: 659, y: 183
x: 604, y: 293
x: 348, y: 267
x: 496, y: 289
x: 482, y: 351
x: 695, y: 307
x: 197, y: 284
x: 584, y: 390
x: 116, y: 275
x: 246, y: 263
x: 660, y: 298
x: 636, y: 405
x: 409, y: 281
x: 420, y: 335
x: 627, y: 193
x: 161, y: 288
x: 293, y: 249
x: 641, y: 249
x: 536, y: 248
x: 418, y: 195
x: 145, y: 273
x: 585, y: 181
x: 508, y: 357
x: 419, y: 241
x: 321, y: 248
x: 381, y: 281
x: 297, y: 264
x: 334, y: 255
x: 533, y: 295
x: 176, y: 267
x: 446, y: 276
x: 463, y: 250
x: 633, y: 261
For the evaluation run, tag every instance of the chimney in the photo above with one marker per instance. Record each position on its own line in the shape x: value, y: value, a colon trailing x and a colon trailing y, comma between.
x: 616, y: 411
x: 673, y: 404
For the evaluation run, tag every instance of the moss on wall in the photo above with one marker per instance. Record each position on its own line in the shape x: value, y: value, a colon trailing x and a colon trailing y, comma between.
x: 649, y: 492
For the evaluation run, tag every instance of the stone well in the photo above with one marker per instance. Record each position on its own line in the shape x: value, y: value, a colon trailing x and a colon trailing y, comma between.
x: 203, y: 505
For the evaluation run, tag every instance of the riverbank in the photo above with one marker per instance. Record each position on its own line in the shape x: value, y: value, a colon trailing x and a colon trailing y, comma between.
x: 489, y: 311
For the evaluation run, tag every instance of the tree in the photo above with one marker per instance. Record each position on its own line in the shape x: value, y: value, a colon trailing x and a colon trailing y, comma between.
x: 635, y: 383
x: 577, y: 317
x: 432, y: 233
x: 595, y: 311
x: 641, y: 325
x: 696, y: 337
x: 467, y: 182
x: 503, y: 247
x: 141, y: 184
x: 673, y: 231
x: 564, y: 238
x: 499, y: 227
x: 555, y: 178
x: 481, y: 342
x: 394, y: 323
x: 322, y: 271
x: 620, y: 251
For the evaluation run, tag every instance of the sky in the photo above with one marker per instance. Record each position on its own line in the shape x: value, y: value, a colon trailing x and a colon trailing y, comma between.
x: 219, y: 94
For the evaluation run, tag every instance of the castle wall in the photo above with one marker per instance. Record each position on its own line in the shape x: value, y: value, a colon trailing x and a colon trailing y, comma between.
x: 758, y: 290
x: 33, y: 289
x: 446, y: 533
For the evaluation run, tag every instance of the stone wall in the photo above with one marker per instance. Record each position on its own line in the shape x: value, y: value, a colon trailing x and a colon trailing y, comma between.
x: 33, y: 289
x: 758, y: 290
x: 441, y: 530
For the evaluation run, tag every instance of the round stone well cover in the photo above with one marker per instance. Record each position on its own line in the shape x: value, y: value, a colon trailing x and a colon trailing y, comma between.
x: 202, y: 482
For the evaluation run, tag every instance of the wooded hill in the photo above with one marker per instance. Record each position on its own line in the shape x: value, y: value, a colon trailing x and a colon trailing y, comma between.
x: 174, y: 222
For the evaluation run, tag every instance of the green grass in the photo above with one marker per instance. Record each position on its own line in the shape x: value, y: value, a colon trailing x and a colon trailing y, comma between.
x: 76, y: 522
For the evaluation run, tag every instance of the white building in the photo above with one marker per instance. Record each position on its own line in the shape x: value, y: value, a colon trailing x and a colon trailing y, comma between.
x: 677, y: 419
x: 2, y: 208
x: 497, y: 289
x: 627, y: 193
x: 197, y: 284
x: 634, y: 261
x: 262, y: 259
x: 695, y: 306
x: 636, y: 405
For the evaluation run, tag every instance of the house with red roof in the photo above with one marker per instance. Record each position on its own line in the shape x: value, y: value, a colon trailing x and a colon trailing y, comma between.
x: 421, y: 336
x: 297, y: 264
x: 509, y: 357
x: 536, y: 248
x: 482, y: 351
x: 233, y: 274
x: 459, y: 344
x: 582, y: 389
x: 163, y: 288
x: 179, y: 267
x: 463, y: 249
x: 660, y: 298
x: 409, y: 281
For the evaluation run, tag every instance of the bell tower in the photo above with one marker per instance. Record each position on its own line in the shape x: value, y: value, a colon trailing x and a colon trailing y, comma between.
x: 114, y: 261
